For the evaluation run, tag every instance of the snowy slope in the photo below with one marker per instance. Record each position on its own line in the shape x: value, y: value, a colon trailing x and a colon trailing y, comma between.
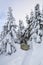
x: 14, y: 59
x: 36, y: 57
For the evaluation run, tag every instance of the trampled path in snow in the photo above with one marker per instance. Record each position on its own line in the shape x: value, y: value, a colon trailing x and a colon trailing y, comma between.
x: 27, y: 57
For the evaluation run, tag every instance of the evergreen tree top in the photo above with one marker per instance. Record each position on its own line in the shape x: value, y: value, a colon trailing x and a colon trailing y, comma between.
x: 37, y: 7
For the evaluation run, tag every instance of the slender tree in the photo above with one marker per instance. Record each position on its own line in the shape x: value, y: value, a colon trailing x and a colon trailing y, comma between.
x: 20, y: 31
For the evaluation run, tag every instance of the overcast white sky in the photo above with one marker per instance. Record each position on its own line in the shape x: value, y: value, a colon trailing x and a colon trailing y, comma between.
x: 20, y: 8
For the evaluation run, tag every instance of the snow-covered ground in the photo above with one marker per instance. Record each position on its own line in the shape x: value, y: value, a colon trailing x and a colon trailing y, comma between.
x: 14, y: 59
x: 36, y: 57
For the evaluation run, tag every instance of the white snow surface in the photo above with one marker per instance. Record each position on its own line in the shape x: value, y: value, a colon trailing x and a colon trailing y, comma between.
x: 36, y: 57
x: 14, y: 59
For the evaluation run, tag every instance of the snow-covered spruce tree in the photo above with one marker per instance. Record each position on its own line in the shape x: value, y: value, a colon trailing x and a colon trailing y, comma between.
x: 27, y: 31
x: 37, y: 15
x: 37, y: 12
x: 10, y: 22
x: 20, y: 31
x: 32, y: 21
x: 9, y: 30
x: 30, y: 25
x: 10, y: 19
x: 38, y: 21
x: 41, y: 25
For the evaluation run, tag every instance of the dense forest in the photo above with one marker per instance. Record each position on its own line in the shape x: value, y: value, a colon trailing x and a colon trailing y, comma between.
x: 19, y: 34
